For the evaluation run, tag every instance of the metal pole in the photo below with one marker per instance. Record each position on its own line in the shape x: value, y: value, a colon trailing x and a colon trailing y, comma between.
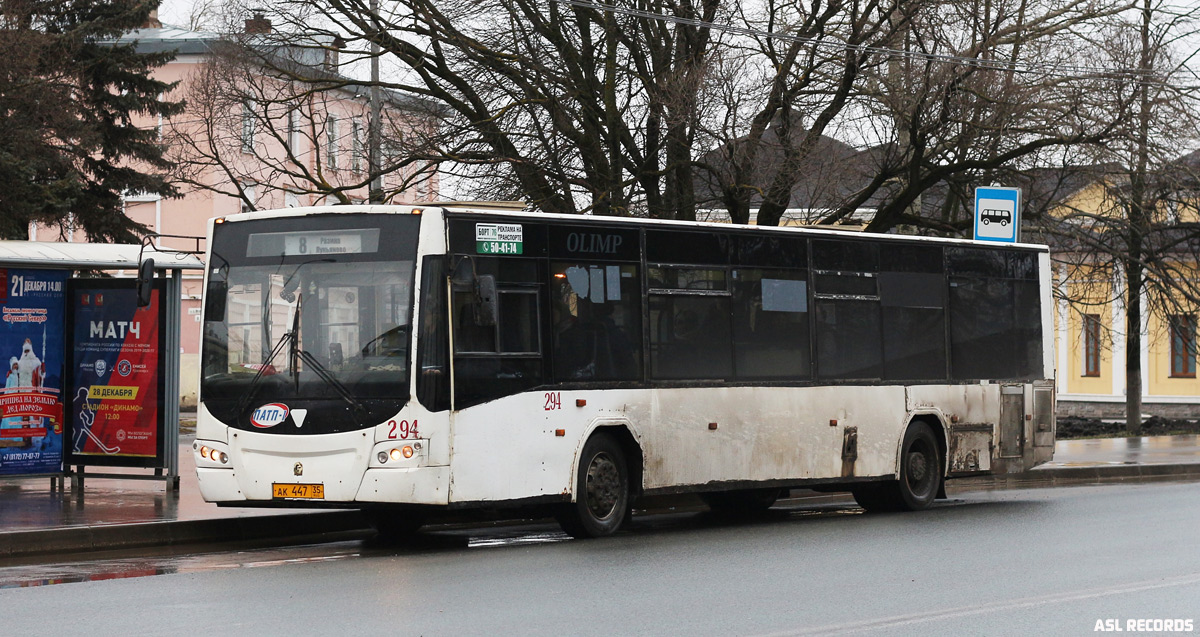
x: 170, y: 372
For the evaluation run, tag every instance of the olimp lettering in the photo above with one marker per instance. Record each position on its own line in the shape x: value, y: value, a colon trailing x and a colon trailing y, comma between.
x: 590, y: 242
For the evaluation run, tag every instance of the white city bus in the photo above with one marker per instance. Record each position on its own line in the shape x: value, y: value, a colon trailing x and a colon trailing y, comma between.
x: 597, y: 360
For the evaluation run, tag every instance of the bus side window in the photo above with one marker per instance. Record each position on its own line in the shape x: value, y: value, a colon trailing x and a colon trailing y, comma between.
x: 993, y: 303
x: 770, y: 324
x: 689, y: 313
x: 596, y: 318
x: 912, y: 293
x: 847, y: 319
x: 492, y: 361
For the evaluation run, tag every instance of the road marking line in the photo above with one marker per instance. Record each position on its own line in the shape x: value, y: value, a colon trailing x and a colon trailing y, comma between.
x: 993, y: 607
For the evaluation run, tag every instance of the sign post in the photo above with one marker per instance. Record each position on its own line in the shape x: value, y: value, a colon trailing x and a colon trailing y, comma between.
x: 998, y: 214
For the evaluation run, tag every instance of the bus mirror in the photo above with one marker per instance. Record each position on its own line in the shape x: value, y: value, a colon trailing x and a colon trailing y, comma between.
x: 288, y: 293
x: 145, y: 282
x: 214, y: 299
x: 462, y: 277
x: 486, y: 305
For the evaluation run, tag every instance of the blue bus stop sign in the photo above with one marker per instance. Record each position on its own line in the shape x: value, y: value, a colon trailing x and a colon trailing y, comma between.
x: 997, y: 214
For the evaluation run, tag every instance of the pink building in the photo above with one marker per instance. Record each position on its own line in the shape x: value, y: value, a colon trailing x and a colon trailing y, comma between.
x: 266, y: 146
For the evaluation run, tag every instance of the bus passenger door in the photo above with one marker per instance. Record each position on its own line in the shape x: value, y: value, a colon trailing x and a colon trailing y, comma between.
x: 1012, y: 420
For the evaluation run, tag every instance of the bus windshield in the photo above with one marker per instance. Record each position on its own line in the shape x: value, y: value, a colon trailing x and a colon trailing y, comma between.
x: 285, y: 320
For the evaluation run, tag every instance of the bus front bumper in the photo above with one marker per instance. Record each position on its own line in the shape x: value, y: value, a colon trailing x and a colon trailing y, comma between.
x: 418, y: 485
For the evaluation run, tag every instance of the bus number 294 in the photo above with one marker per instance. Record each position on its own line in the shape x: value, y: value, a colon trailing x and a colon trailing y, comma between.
x: 553, y: 401
x: 402, y: 430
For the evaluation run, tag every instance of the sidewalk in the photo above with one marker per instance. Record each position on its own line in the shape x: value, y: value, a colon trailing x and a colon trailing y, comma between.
x: 115, y: 514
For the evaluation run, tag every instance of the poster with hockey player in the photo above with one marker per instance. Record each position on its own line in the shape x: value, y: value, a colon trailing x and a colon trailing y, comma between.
x: 116, y: 384
x: 31, y: 347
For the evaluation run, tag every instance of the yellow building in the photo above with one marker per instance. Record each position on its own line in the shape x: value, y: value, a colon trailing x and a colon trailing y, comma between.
x: 1090, y: 321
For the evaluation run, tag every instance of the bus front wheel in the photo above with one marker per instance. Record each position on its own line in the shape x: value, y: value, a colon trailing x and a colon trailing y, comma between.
x: 920, y: 476
x: 601, y: 491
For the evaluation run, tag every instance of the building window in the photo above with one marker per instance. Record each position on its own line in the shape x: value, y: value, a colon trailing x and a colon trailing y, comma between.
x: 356, y: 155
x: 293, y: 131
x: 1183, y: 346
x: 331, y: 143
x: 248, y: 126
x: 1091, y: 344
x: 291, y: 200
x: 249, y: 196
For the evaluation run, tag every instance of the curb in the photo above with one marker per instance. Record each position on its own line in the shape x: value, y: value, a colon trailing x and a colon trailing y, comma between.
x: 82, y: 539
x: 313, y: 525
x: 1095, y: 474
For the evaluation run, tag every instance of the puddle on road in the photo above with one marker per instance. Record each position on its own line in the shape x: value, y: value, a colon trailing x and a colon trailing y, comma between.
x: 32, y: 575
x: 514, y: 540
x: 92, y: 571
x: 74, y: 572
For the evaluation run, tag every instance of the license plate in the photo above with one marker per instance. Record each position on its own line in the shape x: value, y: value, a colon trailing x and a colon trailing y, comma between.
x: 298, y: 491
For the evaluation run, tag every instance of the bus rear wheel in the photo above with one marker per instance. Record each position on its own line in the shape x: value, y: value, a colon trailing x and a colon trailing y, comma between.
x: 741, y: 501
x: 602, y: 502
x: 920, y: 476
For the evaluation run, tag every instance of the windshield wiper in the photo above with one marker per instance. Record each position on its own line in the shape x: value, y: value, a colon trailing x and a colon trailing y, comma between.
x: 262, y: 368
x: 360, y: 410
x: 295, y: 348
x: 295, y: 354
x: 287, y: 292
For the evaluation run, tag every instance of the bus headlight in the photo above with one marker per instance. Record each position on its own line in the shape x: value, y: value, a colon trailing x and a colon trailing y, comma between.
x: 210, y: 454
x: 399, y: 454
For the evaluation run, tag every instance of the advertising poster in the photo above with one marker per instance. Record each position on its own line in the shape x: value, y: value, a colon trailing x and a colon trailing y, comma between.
x: 115, y: 367
x: 31, y: 345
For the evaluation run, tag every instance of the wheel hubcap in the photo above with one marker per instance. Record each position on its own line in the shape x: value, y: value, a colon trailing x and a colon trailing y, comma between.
x: 920, y: 474
x: 603, y: 486
x: 917, y: 466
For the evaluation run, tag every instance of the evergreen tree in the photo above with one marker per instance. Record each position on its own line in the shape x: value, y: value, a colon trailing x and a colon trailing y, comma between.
x: 69, y: 94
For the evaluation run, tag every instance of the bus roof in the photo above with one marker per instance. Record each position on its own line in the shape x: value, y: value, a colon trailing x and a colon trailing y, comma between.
x: 508, y: 209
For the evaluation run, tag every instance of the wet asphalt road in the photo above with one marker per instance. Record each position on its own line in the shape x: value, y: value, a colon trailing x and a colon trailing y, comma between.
x: 1025, y: 562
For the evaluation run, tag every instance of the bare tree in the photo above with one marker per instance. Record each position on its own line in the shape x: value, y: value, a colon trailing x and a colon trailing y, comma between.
x: 270, y: 118
x: 1139, y: 247
x: 203, y: 15
x: 659, y: 108
x: 963, y: 106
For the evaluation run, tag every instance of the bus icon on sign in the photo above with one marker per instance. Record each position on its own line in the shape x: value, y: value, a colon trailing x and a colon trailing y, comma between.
x: 995, y: 215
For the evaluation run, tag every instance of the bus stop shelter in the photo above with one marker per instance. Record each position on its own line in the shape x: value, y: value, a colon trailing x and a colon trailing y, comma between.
x: 60, y: 302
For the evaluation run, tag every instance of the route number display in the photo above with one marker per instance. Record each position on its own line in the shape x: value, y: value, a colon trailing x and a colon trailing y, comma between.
x: 315, y: 243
